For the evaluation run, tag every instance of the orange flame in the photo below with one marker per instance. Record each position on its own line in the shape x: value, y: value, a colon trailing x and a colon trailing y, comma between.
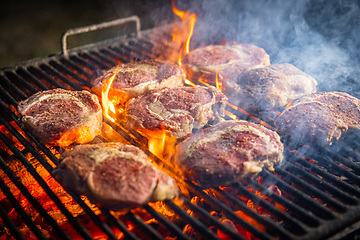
x: 106, y: 103
x: 188, y: 24
x: 162, y: 145
x: 218, y: 84
x: 289, y: 104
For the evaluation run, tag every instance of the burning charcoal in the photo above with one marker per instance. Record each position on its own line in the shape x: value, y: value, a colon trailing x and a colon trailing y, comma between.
x: 227, y: 151
x: 62, y: 117
x: 320, y: 118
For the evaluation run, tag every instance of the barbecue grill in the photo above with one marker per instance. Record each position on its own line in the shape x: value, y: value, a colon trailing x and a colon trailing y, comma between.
x: 314, y: 194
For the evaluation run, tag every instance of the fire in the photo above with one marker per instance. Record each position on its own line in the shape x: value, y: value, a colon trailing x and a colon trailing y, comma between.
x: 218, y: 84
x: 289, y: 104
x: 186, y: 29
x: 106, y: 103
x: 162, y: 145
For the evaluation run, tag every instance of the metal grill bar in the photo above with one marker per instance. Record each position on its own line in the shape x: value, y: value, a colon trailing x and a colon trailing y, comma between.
x: 15, y: 232
x: 293, y: 225
x: 27, y: 219
x: 81, y: 230
x: 315, y: 195
x: 297, y: 211
x: 31, y: 199
x: 174, y: 229
x: 195, y: 223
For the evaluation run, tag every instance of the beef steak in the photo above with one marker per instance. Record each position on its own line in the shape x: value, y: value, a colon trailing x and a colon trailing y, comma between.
x: 177, y: 110
x: 272, y: 86
x: 134, y: 78
x: 225, y: 60
x: 62, y: 117
x: 114, y: 175
x: 319, y: 118
x: 227, y: 151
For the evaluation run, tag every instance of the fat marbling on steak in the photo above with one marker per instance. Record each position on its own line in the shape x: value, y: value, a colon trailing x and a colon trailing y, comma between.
x: 272, y: 86
x: 134, y: 78
x: 228, y: 151
x: 176, y: 110
x: 62, y: 117
x: 224, y: 60
x: 114, y: 175
x: 319, y: 118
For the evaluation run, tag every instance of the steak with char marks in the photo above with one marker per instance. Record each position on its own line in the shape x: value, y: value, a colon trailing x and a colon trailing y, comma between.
x: 62, y: 117
x: 114, y: 175
x: 227, y: 151
x: 134, y: 78
x: 272, y: 86
x: 319, y: 118
x: 176, y: 110
x: 224, y: 60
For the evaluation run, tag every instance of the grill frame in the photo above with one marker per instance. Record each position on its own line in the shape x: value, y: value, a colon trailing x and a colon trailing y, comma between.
x: 19, y: 81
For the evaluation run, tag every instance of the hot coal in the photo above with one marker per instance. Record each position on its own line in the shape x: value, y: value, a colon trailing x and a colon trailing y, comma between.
x: 228, y: 151
x: 224, y: 60
x: 135, y: 78
x: 272, y: 86
x: 62, y: 117
x: 114, y: 175
x: 176, y: 110
x: 320, y: 118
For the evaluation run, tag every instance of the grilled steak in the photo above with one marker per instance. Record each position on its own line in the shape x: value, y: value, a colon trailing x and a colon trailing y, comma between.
x: 133, y: 79
x: 177, y: 110
x: 114, y: 175
x: 319, y: 118
x: 227, y: 151
x: 268, y: 87
x: 62, y: 117
x: 225, y: 60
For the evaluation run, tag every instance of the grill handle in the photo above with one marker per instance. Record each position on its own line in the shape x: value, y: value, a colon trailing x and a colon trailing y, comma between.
x: 95, y: 27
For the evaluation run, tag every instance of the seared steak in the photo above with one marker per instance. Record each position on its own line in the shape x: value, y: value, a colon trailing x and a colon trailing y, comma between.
x: 225, y: 60
x: 319, y: 118
x: 268, y: 87
x: 114, y: 175
x: 62, y: 117
x: 227, y: 151
x: 135, y: 78
x: 177, y: 110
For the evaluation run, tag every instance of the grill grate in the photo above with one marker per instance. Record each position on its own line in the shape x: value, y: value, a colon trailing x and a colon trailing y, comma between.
x: 312, y: 195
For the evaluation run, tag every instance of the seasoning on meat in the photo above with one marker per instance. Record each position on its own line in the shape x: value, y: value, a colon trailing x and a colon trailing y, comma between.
x: 319, y: 118
x: 62, y: 117
x: 135, y: 78
x: 114, y: 175
x: 272, y: 86
x: 228, y: 151
x: 224, y: 60
x: 176, y: 110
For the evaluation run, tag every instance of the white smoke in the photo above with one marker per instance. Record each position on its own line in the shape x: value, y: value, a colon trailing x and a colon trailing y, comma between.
x: 322, y: 38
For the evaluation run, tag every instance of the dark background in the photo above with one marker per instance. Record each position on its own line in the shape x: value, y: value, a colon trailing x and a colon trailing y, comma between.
x: 32, y: 29
x: 321, y: 37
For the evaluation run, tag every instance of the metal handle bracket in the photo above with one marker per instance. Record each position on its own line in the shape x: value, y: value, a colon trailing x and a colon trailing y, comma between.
x: 95, y: 27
